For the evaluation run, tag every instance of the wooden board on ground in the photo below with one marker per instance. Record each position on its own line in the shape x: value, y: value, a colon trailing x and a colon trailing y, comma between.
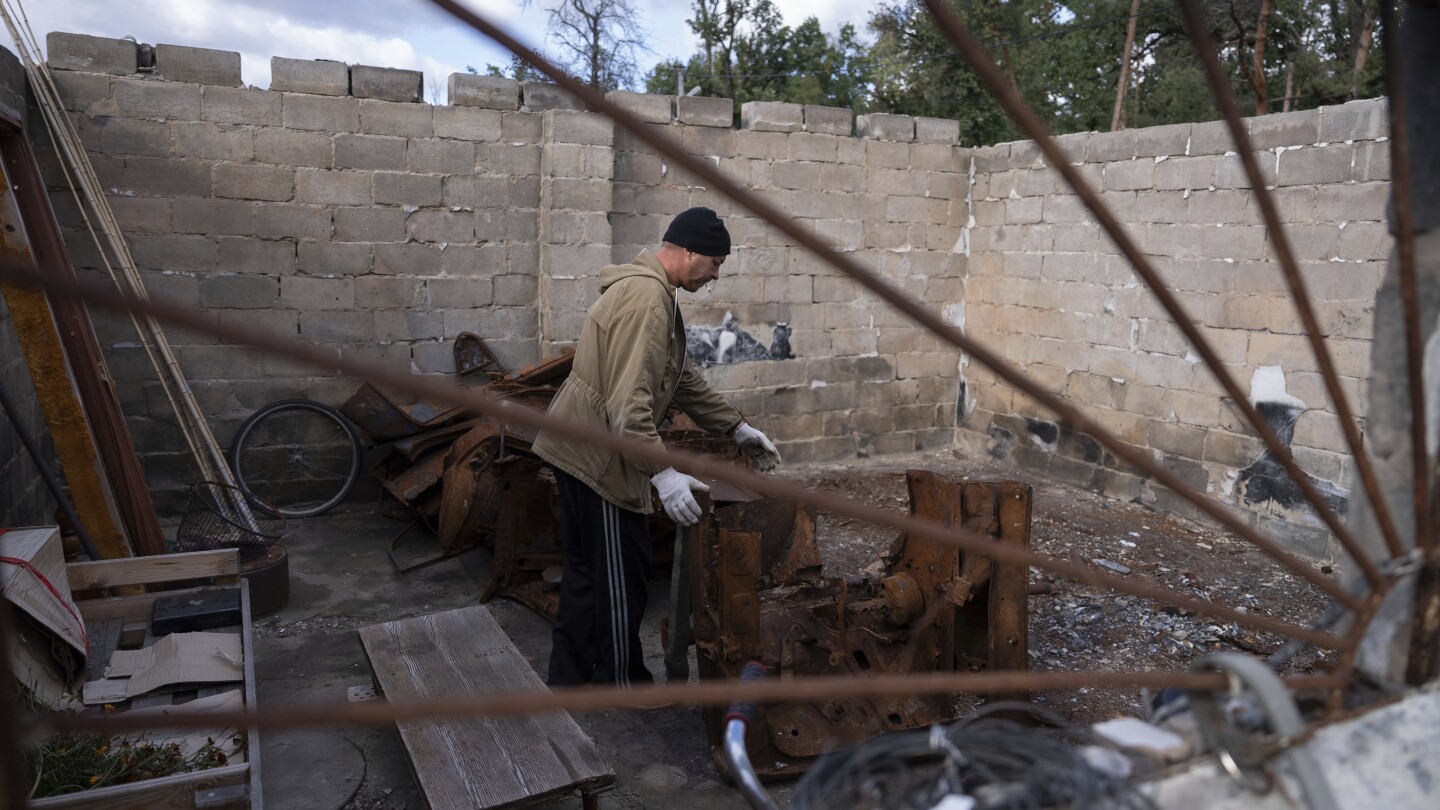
x: 478, y: 762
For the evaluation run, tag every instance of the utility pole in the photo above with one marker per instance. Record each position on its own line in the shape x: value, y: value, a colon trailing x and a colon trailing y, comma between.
x: 1117, y: 118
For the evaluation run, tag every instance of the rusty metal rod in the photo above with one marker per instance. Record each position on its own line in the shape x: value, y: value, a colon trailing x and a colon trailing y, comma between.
x: 1024, y: 117
x: 1299, y: 293
x: 1066, y: 413
x: 1409, y: 289
x: 503, y: 411
x: 596, y: 698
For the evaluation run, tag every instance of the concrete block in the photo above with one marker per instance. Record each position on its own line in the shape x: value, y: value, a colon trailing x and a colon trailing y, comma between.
x: 1105, y: 147
x: 244, y: 254
x: 490, y: 92
x: 1130, y: 175
x: 885, y: 127
x: 291, y: 147
x: 436, y: 156
x: 381, y: 152
x: 425, y: 324
x: 332, y: 115
x: 515, y: 291
x: 704, y: 111
x: 78, y: 91
x: 1185, y: 173
x: 385, y: 292
x: 474, y: 191
x: 567, y: 126
x: 214, y: 217
x: 467, y: 124
x: 1372, y: 161
x: 1300, y: 128
x: 179, y: 253
x: 402, y: 188
x: 337, y: 326
x: 317, y: 76
x: 180, y: 63
x: 139, y: 214
x: 655, y: 109
x: 537, y: 96
x: 448, y: 227
x: 1210, y: 138
x: 388, y: 84
x: 279, y: 221
x: 1316, y: 165
x: 1230, y: 171
x: 1363, y: 120
x: 323, y: 187
x: 772, y: 116
x: 239, y: 292
x: 828, y: 120
x: 239, y: 181
x: 142, y: 98
x: 90, y: 54
x: 379, y: 117
x: 369, y: 225
x: 1170, y: 139
x: 407, y: 259
x: 234, y: 105
x: 937, y: 130
x: 333, y: 258
x: 308, y: 293
x: 125, y: 136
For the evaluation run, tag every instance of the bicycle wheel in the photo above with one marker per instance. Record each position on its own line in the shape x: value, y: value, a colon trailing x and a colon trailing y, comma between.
x: 300, y: 456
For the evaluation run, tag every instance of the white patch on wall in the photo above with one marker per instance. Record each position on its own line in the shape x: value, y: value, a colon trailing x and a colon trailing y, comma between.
x: 1227, y: 483
x: 1430, y: 373
x: 1268, y: 385
x: 818, y: 384
x: 954, y: 314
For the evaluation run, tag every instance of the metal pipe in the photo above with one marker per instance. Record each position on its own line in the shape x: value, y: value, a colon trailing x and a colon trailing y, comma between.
x: 738, y: 758
x: 48, y: 475
x: 1065, y: 412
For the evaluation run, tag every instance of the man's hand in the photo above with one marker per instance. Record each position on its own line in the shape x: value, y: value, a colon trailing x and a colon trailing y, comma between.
x: 757, y: 446
x: 674, y: 488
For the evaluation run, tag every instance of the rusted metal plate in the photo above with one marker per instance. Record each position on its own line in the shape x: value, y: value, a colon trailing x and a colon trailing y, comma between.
x: 384, y: 420
x: 549, y: 371
x: 758, y: 594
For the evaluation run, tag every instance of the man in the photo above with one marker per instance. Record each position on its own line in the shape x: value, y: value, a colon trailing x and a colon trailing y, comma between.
x: 629, y: 368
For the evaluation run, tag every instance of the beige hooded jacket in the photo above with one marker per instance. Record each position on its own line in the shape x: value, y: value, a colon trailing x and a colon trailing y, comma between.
x: 629, y: 369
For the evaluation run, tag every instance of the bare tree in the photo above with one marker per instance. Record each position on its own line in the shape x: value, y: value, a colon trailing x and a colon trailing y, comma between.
x: 599, y: 40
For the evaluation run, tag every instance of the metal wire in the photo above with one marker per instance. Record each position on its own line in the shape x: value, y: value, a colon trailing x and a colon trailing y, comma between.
x: 480, y: 402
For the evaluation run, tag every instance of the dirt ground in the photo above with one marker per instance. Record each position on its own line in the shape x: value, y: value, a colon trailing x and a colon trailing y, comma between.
x: 1079, y: 627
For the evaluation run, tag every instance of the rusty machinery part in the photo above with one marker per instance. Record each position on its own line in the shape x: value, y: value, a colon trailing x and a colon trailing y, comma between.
x: 472, y: 355
x: 758, y: 594
x: 383, y: 419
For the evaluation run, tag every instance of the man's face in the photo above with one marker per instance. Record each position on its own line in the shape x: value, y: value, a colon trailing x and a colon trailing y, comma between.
x: 699, y: 270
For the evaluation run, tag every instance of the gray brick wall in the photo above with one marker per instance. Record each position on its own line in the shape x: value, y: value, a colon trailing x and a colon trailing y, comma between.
x: 1049, y: 290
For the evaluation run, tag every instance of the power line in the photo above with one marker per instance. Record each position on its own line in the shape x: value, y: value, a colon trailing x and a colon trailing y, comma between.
x: 1001, y: 44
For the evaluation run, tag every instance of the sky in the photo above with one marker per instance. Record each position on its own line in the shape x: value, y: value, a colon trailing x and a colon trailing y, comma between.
x: 409, y: 34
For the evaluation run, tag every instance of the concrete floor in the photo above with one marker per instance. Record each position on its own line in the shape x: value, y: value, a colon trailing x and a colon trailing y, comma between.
x: 309, y: 652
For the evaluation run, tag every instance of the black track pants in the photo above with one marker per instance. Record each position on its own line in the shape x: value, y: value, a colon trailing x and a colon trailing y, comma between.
x: 596, y: 637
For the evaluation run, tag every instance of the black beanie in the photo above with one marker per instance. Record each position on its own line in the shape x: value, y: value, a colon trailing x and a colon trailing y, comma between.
x: 700, y: 230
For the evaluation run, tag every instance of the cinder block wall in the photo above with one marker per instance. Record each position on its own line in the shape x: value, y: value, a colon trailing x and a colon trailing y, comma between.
x: 1048, y: 290
x: 338, y: 208
x: 24, y: 499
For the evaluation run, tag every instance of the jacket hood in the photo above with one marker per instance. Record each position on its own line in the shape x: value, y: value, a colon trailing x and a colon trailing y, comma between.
x: 646, y: 264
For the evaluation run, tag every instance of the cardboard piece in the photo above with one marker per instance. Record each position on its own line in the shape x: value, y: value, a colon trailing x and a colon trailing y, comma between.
x: 41, y: 548
x: 176, y: 658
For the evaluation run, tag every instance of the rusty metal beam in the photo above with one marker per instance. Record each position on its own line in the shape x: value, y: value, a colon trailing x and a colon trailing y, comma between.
x: 69, y: 428
x: 694, y: 463
x: 1066, y: 413
x: 597, y: 698
x: 119, y: 461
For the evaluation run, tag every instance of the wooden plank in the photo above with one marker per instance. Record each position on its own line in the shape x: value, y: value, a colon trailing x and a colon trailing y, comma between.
x: 166, y: 793
x: 153, y: 570
x: 104, y: 640
x: 252, y: 741
x: 481, y: 762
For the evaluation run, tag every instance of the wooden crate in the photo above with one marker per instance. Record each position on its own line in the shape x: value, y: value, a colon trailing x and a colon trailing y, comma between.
x: 232, y: 786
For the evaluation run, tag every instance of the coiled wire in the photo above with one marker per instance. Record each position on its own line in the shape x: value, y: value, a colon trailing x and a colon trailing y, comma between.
x: 1002, y: 764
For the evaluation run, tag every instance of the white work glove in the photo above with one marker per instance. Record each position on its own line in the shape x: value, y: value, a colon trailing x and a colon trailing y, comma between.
x: 757, y: 446
x: 674, y: 488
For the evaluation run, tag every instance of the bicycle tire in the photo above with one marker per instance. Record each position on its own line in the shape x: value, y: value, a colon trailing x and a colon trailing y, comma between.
x: 298, y: 455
